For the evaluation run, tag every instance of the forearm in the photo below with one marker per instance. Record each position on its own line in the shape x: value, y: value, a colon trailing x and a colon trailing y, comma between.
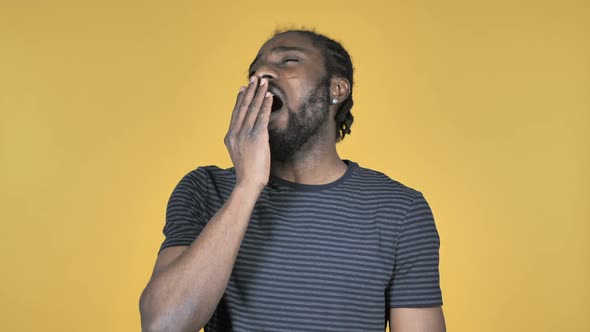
x: 184, y: 295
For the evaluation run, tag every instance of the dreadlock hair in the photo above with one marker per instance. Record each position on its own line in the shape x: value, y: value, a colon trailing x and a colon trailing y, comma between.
x: 337, y: 62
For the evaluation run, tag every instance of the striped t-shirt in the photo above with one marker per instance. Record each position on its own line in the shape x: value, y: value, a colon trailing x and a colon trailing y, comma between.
x: 331, y: 257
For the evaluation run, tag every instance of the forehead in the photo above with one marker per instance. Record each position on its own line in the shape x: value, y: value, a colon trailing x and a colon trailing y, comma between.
x: 288, y: 39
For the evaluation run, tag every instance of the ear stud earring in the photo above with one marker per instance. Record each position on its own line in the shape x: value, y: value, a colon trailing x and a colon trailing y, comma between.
x: 334, y: 100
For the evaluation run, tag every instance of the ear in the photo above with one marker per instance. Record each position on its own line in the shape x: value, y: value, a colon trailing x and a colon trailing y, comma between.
x: 339, y: 90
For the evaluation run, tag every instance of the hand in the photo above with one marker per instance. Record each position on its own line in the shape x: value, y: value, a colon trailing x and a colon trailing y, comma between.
x: 247, y: 137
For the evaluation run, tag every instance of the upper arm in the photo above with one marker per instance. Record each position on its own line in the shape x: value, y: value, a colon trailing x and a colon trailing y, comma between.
x: 427, y: 319
x: 185, y: 217
x: 167, y: 256
x: 415, y: 279
x: 414, y: 296
x: 186, y: 210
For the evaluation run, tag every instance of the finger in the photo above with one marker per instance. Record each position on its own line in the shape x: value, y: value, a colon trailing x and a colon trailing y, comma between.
x: 234, y: 113
x: 247, y: 99
x: 255, y: 105
x: 264, y: 115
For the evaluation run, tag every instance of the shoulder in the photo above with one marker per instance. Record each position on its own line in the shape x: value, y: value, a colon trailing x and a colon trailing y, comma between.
x: 377, y: 182
x: 206, y: 172
x: 201, y: 177
x: 385, y: 194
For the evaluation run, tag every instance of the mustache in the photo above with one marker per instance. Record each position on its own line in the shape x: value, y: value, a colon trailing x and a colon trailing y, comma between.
x: 274, y: 88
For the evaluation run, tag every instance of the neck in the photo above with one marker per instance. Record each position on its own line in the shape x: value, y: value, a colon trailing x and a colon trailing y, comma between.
x: 317, y: 165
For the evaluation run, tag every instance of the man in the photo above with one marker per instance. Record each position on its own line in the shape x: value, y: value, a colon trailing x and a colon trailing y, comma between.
x: 292, y: 238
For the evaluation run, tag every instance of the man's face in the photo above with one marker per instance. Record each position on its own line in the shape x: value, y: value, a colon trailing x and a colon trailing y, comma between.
x: 297, y: 77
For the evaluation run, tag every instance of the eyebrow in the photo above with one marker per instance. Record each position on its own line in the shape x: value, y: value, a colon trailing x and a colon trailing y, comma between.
x: 277, y: 49
x: 282, y: 48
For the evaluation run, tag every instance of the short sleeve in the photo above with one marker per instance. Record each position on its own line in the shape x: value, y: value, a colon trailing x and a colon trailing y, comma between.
x: 415, y: 279
x: 185, y: 212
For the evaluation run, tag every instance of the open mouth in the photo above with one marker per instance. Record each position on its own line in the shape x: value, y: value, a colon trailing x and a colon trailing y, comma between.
x: 277, y: 103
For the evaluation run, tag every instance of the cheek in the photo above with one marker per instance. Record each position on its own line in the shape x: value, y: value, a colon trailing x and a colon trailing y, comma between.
x: 291, y: 76
x: 294, y: 100
x: 297, y: 95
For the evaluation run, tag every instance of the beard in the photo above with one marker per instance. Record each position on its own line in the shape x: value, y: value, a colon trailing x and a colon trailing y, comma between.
x: 302, y: 126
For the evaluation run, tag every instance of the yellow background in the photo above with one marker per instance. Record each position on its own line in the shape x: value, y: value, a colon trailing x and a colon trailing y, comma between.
x: 483, y: 106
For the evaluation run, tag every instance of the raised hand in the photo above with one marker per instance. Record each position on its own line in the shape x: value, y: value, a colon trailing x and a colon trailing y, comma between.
x: 247, y: 137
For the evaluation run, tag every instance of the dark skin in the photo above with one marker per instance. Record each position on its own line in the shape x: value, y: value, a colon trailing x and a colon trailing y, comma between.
x: 188, y: 281
x: 290, y: 62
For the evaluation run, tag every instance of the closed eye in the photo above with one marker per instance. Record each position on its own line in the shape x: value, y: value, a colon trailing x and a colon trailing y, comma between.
x: 253, y: 72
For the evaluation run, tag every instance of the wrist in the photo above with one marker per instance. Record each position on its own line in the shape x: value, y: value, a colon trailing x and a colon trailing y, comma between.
x: 248, y: 188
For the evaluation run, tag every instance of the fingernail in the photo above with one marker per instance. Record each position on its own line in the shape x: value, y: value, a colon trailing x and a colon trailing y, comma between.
x: 242, y: 89
x: 268, y: 94
x: 262, y: 81
x: 252, y: 79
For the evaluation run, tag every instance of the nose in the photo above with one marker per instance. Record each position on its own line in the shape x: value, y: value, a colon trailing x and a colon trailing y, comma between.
x: 266, y: 71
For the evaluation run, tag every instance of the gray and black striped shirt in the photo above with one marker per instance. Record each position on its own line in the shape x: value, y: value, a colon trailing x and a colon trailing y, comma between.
x: 332, y: 257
